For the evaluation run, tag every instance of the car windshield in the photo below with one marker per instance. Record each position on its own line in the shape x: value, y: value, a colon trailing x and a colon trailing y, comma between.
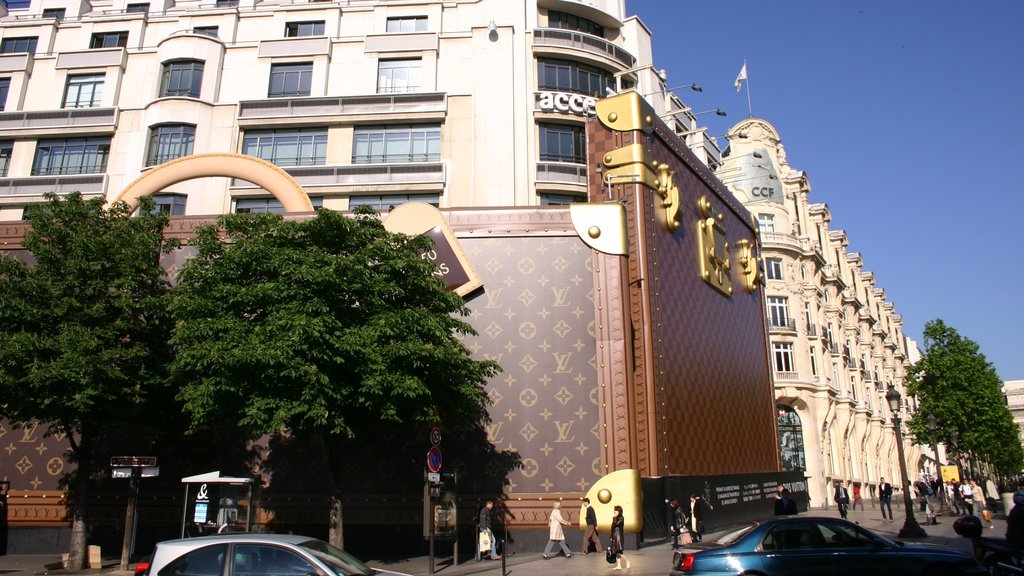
x: 338, y: 560
x: 734, y: 535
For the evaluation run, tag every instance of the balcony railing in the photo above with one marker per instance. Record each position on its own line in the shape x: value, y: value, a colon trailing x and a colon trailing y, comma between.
x: 581, y: 41
x: 562, y: 172
x: 58, y: 118
x: 786, y: 376
x: 812, y: 330
x: 339, y: 105
x: 37, y: 186
x: 782, y: 324
x: 358, y: 174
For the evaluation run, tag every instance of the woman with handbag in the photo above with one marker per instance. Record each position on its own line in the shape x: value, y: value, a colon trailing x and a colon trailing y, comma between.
x: 678, y: 524
x: 618, y: 539
x: 555, y: 533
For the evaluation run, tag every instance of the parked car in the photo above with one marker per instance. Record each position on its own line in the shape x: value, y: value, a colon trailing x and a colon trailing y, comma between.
x: 809, y: 546
x: 253, y: 555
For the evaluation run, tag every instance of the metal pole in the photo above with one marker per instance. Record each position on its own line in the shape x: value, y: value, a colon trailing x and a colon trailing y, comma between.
x: 910, y: 527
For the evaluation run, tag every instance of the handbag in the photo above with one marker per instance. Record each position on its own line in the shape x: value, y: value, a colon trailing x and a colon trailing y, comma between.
x: 609, y: 556
x: 485, y: 541
x: 987, y: 515
x: 685, y: 537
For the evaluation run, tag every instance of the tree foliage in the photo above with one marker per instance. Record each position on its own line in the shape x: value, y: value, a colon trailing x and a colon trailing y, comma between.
x: 331, y: 327
x: 954, y: 382
x: 84, y: 328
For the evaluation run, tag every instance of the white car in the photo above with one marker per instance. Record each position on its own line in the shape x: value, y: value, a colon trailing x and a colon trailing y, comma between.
x: 253, y: 555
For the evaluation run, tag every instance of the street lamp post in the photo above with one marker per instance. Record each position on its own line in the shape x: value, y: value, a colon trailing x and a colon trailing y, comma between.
x: 910, y: 527
x: 933, y: 425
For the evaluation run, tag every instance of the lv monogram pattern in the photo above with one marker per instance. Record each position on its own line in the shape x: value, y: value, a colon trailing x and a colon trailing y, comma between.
x: 535, y: 317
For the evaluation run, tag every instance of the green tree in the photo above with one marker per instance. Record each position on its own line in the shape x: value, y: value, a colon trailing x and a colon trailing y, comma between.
x: 84, y: 329
x: 954, y: 382
x: 330, y: 327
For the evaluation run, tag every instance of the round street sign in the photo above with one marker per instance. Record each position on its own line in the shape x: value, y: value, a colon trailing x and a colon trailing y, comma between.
x: 434, y: 459
x: 435, y: 436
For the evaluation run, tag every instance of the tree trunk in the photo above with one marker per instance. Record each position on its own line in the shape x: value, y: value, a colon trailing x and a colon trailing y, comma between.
x: 336, y: 531
x: 336, y: 535
x: 81, y: 453
x: 77, y: 552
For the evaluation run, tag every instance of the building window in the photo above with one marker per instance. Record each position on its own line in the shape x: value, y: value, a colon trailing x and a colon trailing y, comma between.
x: 142, y: 8
x: 567, y: 76
x: 560, y: 199
x: 778, y: 311
x: 407, y: 24
x: 563, y: 143
x: 791, y: 438
x: 5, y: 88
x: 182, y: 78
x: 296, y: 29
x: 84, y: 91
x: 378, y: 144
x: 300, y: 147
x: 170, y: 204
x: 258, y: 206
x: 71, y: 156
x: 55, y: 13
x: 385, y: 203
x: 18, y: 45
x: 109, y: 40
x: 226, y: 3
x: 783, y: 355
x: 773, y: 268
x: 399, y: 75
x: 206, y: 30
x: 6, y: 147
x: 567, y: 21
x: 290, y: 80
x: 265, y: 205
x: 170, y: 141
x: 813, y: 353
x: 766, y: 222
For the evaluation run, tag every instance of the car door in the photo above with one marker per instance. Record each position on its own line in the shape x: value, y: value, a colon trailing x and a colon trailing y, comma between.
x: 857, y: 552
x: 794, y: 548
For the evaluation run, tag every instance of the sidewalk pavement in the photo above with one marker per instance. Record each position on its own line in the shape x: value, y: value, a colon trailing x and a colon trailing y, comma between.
x: 649, y: 560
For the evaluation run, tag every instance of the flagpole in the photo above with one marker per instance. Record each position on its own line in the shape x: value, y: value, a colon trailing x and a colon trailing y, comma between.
x: 750, y: 111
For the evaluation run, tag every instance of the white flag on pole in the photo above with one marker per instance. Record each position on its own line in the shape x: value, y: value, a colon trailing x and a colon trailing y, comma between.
x: 741, y: 77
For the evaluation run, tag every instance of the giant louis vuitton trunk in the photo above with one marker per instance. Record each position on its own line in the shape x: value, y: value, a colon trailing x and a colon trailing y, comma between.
x: 632, y: 339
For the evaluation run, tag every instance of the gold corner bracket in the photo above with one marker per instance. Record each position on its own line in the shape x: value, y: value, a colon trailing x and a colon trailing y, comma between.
x: 715, y: 268
x: 625, y: 112
x: 601, y: 226
x: 750, y: 265
x: 634, y: 165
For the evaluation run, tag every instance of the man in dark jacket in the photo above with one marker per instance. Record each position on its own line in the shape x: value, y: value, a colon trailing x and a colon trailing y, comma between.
x: 484, y: 526
x: 842, y: 498
x: 885, y: 497
x: 1015, y: 521
x: 591, y: 533
x: 784, y: 504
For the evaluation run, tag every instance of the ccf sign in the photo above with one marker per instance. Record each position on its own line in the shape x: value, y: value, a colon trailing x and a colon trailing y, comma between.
x: 566, y: 103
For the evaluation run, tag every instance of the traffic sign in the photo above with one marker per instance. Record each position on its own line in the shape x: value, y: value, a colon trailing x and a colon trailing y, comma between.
x: 434, y: 459
x: 132, y: 461
x: 435, y: 436
x: 434, y: 477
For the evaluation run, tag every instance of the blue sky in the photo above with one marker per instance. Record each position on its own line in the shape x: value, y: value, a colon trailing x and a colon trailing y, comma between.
x: 908, y: 118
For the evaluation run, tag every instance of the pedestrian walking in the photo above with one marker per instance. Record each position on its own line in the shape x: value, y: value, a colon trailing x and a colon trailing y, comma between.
x: 618, y: 539
x: 695, y: 518
x: 857, y: 500
x: 842, y: 498
x: 590, y: 535
x: 555, y: 533
x: 485, y: 536
x: 678, y: 522
x: 885, y: 498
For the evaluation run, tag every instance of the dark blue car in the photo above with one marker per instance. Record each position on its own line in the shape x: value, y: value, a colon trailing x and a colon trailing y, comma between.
x: 810, y: 546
